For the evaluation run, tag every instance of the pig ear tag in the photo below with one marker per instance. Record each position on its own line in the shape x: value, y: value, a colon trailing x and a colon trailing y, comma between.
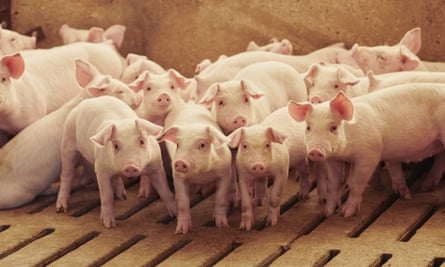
x: 342, y: 105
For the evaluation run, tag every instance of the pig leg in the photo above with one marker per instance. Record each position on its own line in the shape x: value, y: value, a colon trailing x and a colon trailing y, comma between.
x: 144, y: 186
x: 320, y: 177
x: 69, y: 157
x: 275, y: 197
x: 305, y: 185
x: 222, y: 200
x: 359, y: 177
x: 398, y: 179
x: 233, y: 192
x: 261, y: 191
x: 246, y: 190
x: 334, y: 171
x: 106, y: 199
x: 118, y: 187
x: 159, y: 181
x: 184, y: 220
x: 435, y: 174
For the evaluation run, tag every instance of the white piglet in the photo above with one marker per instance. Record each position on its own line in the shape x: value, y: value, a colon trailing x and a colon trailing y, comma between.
x: 399, y: 124
x: 199, y: 155
x: 108, y: 134
x: 254, y: 93
x: 12, y: 41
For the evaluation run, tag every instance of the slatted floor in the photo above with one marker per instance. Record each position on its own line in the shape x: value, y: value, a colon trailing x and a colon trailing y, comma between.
x: 388, y: 232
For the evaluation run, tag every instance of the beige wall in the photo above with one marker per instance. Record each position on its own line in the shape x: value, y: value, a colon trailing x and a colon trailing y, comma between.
x: 180, y: 33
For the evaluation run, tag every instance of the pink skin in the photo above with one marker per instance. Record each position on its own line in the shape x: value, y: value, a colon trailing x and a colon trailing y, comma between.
x: 25, y: 173
x: 385, y: 58
x: 94, y: 34
x: 200, y: 156
x: 253, y: 94
x: 339, y: 130
x: 11, y: 41
x: 226, y: 69
x: 117, y: 143
x: 161, y: 94
x: 281, y: 47
x: 260, y: 154
x: 136, y: 65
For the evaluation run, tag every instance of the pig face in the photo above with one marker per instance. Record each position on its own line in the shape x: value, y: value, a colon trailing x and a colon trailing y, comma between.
x: 197, y: 148
x: 126, y: 146
x: 254, y: 143
x: 160, y: 91
x: 136, y: 65
x: 281, y: 47
x: 232, y: 103
x: 98, y: 84
x: 11, y: 68
x: 325, y: 122
x: 11, y: 41
x: 323, y: 82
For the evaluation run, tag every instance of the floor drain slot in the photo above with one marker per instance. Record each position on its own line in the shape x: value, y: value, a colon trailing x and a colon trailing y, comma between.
x: 168, y: 252
x: 26, y: 242
x: 63, y: 251
x: 327, y: 258
x: 274, y: 256
x: 87, y: 208
x: 123, y: 247
x: 382, y: 260
x: 4, y: 227
x: 144, y: 203
x: 419, y: 223
x: 226, y: 251
x: 437, y: 262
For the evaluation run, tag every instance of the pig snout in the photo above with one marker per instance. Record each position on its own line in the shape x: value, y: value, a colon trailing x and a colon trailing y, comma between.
x: 182, y: 166
x: 316, y: 154
x: 258, y: 168
x: 239, y: 121
x: 316, y: 99
x: 164, y: 100
x: 131, y: 170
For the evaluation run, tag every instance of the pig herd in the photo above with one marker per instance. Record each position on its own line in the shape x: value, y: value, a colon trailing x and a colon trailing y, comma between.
x: 240, y: 122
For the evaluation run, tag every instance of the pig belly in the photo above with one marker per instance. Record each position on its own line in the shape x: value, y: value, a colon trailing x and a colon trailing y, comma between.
x: 415, y: 153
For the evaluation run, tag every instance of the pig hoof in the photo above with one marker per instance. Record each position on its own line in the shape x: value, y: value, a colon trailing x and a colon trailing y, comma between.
x: 108, y: 222
x: 245, y: 225
x: 221, y: 221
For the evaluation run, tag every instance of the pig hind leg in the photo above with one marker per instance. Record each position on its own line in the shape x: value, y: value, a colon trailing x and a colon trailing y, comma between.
x: 398, y: 179
x: 435, y: 173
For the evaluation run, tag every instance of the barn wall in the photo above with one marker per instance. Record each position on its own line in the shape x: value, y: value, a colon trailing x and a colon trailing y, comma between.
x: 180, y: 33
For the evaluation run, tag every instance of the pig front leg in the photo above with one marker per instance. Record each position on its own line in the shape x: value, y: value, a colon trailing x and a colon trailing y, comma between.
x: 222, y: 201
x: 321, y: 178
x: 246, y: 191
x: 361, y: 172
x: 334, y: 171
x: 398, y: 179
x: 280, y: 181
x: 260, y: 191
x: 144, y: 186
x: 184, y: 219
x: 106, y: 199
x: 118, y: 187
x: 159, y: 181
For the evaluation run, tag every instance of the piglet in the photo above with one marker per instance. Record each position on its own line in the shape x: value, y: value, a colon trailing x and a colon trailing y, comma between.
x: 386, y: 58
x: 109, y: 135
x: 372, y: 128
x: 11, y: 41
x: 25, y: 173
x: 281, y: 47
x: 115, y: 33
x: 199, y: 155
x: 254, y: 93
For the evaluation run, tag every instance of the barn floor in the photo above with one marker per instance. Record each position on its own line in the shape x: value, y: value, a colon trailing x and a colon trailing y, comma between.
x: 388, y: 232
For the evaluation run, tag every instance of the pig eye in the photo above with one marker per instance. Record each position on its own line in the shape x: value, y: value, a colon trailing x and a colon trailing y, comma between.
x: 120, y: 92
x: 3, y: 79
x: 244, y: 146
x: 13, y: 40
x: 381, y: 58
x: 148, y: 88
x: 172, y: 87
x: 246, y: 99
x: 267, y: 145
x: 141, y: 141
x: 117, y: 147
x: 333, y: 129
x: 335, y: 85
x: 221, y: 103
x: 308, y: 128
x: 202, y: 146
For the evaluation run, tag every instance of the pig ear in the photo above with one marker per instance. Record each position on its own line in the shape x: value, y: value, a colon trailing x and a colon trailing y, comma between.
x: 148, y: 127
x: 116, y: 33
x: 14, y: 64
x: 373, y: 81
x: 408, y: 60
x: 234, y: 139
x: 210, y: 94
x: 252, y: 46
x: 275, y: 135
x: 355, y: 50
x: 180, y: 80
x: 342, y: 105
x: 169, y: 135
x: 299, y: 111
x: 85, y: 72
x: 216, y: 136
x: 412, y: 40
x: 95, y: 35
x: 346, y: 77
x: 104, y: 135
x: 139, y: 83
x: 309, y: 75
x: 132, y: 58
x: 100, y: 87
x: 251, y: 89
